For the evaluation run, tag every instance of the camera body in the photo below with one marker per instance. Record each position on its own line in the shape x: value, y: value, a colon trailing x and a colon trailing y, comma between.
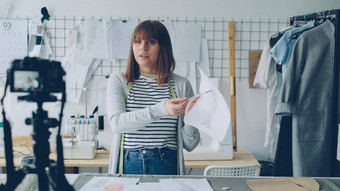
x: 36, y: 75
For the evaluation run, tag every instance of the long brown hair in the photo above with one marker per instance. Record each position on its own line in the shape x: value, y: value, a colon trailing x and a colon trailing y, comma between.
x: 151, y: 29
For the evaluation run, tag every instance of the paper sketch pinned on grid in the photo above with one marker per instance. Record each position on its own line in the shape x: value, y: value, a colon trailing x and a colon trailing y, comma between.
x: 108, y: 39
x: 78, y: 68
x: 211, y: 113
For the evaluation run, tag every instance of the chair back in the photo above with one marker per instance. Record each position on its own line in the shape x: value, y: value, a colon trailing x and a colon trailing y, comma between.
x: 232, y: 170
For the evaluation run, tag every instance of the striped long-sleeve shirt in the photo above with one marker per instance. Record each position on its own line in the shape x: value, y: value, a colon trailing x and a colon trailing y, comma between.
x: 161, y: 133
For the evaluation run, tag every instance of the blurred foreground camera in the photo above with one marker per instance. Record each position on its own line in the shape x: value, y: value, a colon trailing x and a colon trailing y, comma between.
x: 39, y: 78
x: 36, y: 75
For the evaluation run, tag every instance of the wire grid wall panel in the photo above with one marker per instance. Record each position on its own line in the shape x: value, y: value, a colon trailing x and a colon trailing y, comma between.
x: 250, y: 34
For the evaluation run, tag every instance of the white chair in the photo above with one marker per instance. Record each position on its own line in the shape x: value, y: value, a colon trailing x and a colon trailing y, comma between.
x: 232, y: 170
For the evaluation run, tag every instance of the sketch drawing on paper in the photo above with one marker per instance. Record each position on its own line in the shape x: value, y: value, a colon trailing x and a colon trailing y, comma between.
x: 211, y: 113
x: 114, y: 187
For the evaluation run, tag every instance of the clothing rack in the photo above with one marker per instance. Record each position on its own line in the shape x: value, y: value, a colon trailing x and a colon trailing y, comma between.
x: 334, y: 16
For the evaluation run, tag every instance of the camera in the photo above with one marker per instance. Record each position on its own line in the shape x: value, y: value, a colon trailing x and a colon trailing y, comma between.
x: 39, y: 78
x: 36, y: 75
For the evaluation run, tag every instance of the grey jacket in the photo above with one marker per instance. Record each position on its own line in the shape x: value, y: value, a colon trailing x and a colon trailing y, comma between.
x: 307, y: 94
x: 124, y: 122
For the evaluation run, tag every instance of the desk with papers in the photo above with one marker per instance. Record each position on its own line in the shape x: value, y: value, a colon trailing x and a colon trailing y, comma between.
x: 231, y: 183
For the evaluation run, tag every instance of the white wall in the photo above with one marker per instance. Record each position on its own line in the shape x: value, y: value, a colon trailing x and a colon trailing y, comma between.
x: 173, y: 8
x: 251, y: 103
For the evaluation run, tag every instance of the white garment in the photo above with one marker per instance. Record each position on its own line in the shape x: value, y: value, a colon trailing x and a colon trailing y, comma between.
x: 266, y: 78
x: 262, y: 73
x: 37, y: 30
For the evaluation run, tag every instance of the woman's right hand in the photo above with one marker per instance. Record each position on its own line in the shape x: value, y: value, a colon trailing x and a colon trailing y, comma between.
x: 176, y: 106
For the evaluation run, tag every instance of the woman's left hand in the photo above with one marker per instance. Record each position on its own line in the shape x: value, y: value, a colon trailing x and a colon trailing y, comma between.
x: 190, y: 105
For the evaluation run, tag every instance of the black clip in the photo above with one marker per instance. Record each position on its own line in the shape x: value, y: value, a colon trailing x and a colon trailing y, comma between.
x: 45, y: 14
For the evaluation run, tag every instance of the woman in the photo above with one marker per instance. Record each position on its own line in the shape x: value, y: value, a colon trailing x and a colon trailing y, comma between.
x: 146, y: 106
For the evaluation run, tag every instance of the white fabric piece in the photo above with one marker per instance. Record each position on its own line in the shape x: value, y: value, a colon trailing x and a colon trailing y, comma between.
x: 266, y: 78
x: 262, y: 73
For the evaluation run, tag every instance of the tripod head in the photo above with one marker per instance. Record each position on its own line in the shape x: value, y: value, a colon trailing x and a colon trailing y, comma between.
x: 39, y: 78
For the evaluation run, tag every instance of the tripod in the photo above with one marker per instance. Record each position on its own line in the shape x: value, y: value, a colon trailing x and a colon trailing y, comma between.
x: 50, y: 173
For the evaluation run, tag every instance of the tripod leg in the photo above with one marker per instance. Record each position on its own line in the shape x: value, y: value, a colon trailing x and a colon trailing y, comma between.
x: 62, y: 183
x: 19, y: 176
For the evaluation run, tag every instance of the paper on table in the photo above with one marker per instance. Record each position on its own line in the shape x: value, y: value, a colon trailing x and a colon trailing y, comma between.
x: 148, y: 186
x: 187, y: 70
x: 204, y: 60
x: 187, y: 43
x: 185, y: 185
x: 306, y: 182
x: 283, y: 184
x: 71, y: 178
x: 13, y: 38
x: 107, y: 183
x: 211, y: 113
